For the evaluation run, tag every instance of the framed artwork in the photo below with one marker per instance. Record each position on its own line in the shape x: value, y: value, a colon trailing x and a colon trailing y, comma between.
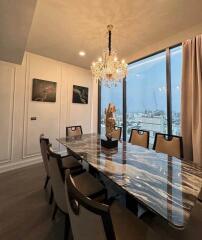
x: 43, y: 91
x: 80, y: 94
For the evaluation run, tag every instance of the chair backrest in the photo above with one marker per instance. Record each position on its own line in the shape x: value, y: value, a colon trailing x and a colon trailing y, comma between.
x: 44, y: 142
x: 74, y: 131
x: 57, y: 179
x: 169, y: 144
x: 89, y: 219
x: 139, y: 137
x: 117, y: 133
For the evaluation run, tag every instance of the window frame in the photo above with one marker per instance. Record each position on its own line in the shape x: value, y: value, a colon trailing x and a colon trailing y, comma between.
x: 124, y: 92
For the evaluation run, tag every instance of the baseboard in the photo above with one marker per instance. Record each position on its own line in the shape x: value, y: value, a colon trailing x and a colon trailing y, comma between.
x: 19, y: 164
x: 9, y: 166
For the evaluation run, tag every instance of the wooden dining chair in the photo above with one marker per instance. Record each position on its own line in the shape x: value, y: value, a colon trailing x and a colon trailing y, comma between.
x: 43, y: 147
x: 72, y: 131
x: 139, y: 137
x: 117, y: 133
x: 67, y: 161
x: 169, y: 144
x: 57, y: 183
x: 85, y: 182
x: 91, y: 220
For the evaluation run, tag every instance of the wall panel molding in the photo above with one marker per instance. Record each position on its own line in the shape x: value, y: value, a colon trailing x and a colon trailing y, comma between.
x: 22, y: 142
x: 7, y: 75
x: 26, y: 104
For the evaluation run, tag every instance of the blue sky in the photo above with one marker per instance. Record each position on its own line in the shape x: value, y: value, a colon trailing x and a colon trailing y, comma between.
x: 146, y: 84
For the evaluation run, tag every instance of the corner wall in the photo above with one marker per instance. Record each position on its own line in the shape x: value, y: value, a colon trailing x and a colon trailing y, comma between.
x: 19, y: 135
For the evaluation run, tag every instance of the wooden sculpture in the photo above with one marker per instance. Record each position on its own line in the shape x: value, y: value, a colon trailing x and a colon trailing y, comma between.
x: 110, y: 121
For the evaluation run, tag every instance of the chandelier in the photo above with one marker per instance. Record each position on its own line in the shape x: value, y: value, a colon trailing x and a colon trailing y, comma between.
x: 108, y: 68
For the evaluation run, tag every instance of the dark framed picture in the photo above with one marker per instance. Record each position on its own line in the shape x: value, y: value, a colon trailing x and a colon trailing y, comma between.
x: 80, y: 94
x: 43, y: 91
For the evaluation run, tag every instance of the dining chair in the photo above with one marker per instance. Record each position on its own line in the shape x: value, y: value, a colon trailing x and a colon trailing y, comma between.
x: 68, y: 161
x: 57, y: 183
x: 92, y: 220
x: 43, y: 146
x: 117, y: 133
x: 139, y: 137
x: 72, y: 131
x: 169, y: 144
x: 84, y: 181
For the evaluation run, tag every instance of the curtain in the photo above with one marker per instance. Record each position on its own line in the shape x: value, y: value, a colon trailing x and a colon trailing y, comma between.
x: 191, y: 99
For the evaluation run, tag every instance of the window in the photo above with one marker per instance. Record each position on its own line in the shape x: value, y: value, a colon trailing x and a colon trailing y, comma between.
x: 152, y: 90
x: 176, y: 75
x: 146, y: 95
x: 111, y: 95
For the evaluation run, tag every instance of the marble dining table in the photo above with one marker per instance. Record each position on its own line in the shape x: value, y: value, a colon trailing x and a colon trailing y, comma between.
x: 166, y: 185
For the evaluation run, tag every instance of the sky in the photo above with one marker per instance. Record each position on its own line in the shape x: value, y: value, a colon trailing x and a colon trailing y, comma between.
x: 146, y: 84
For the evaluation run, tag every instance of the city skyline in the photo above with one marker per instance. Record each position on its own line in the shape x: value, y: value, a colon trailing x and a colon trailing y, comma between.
x: 141, y: 92
x: 146, y: 95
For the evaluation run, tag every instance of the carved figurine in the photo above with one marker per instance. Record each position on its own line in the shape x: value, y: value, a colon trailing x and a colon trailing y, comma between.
x: 110, y: 120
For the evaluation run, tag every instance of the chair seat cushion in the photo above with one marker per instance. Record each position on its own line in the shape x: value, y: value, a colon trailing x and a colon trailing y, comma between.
x: 89, y: 186
x: 69, y: 162
x: 128, y: 226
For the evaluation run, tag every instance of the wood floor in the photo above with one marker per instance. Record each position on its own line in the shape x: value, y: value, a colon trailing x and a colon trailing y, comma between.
x: 26, y: 215
x: 24, y: 210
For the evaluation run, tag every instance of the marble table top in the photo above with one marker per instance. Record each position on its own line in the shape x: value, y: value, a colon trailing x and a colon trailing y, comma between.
x: 166, y: 185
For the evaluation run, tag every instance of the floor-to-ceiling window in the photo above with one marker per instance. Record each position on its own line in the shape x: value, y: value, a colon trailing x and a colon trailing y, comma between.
x: 146, y: 95
x: 152, y: 90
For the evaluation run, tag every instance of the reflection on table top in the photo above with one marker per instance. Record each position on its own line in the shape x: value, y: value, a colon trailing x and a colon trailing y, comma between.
x: 164, y: 184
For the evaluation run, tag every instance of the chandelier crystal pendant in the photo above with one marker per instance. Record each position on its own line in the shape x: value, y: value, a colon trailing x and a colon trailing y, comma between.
x: 108, y: 68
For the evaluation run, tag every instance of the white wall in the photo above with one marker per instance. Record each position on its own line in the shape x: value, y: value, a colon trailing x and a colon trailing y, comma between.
x: 19, y: 135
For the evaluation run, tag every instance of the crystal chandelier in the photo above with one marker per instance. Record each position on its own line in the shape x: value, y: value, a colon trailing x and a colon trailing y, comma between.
x: 108, y: 68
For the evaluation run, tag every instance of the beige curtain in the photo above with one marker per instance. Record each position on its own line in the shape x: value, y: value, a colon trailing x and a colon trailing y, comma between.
x: 191, y: 99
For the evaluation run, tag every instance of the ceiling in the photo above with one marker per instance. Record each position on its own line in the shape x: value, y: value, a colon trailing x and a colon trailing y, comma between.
x: 61, y: 28
x: 15, y: 22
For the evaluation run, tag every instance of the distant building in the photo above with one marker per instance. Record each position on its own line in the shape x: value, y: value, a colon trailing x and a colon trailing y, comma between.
x: 154, y: 121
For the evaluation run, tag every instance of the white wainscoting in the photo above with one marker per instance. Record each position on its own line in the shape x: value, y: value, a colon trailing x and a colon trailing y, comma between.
x: 19, y: 135
x: 7, y: 76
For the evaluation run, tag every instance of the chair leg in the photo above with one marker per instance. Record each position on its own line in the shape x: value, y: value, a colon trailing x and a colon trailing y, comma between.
x: 54, y: 211
x: 71, y: 235
x: 46, y: 182
x: 67, y: 227
x: 51, y: 196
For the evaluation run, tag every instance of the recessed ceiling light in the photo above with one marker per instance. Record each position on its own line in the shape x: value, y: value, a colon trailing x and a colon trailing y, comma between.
x: 82, y: 53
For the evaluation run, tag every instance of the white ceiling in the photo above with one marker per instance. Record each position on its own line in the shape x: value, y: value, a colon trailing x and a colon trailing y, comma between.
x: 15, y: 22
x: 61, y: 28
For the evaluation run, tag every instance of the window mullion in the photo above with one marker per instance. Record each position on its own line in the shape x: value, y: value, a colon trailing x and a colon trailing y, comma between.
x: 99, y: 108
x: 168, y: 88
x: 124, y: 109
